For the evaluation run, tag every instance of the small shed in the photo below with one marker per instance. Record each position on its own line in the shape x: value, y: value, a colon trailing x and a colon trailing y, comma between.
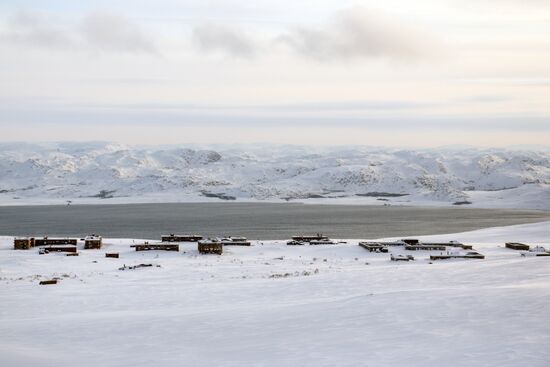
x: 517, y: 246
x: 93, y: 242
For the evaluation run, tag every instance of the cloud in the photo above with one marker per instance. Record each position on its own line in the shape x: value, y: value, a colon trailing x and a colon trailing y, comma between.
x: 355, y: 33
x: 216, y: 38
x: 358, y: 33
x: 34, y: 29
x: 102, y: 31
x: 110, y: 32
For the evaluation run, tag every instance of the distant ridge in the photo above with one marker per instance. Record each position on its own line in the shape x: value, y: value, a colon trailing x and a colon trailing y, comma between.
x: 72, y: 171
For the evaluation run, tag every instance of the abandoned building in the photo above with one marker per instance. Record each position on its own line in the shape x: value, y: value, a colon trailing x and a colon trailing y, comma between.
x: 58, y: 248
x: 180, y: 238
x: 295, y: 243
x: 373, y: 246
x: 47, y: 241
x: 210, y: 247
x: 517, y: 246
x: 23, y: 243
x: 449, y: 244
x: 401, y: 257
x: 410, y: 241
x: 146, y: 246
x: 93, y: 242
x: 322, y: 242
x: 305, y: 238
x: 392, y: 243
x: 468, y: 255
x: 423, y: 246
x: 235, y: 241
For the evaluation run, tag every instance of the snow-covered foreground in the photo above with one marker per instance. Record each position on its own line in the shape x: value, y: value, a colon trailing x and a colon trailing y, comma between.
x: 273, y: 305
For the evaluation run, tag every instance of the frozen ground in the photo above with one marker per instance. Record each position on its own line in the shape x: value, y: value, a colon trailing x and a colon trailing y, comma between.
x: 273, y: 305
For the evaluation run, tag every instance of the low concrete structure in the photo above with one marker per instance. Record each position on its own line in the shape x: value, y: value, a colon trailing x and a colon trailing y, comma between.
x: 425, y: 247
x: 401, y: 257
x: 449, y: 244
x: 468, y: 255
x: 47, y: 282
x: 308, y: 238
x: 391, y: 243
x: 295, y: 243
x: 373, y: 246
x: 180, y: 238
x: 156, y: 247
x: 517, y: 246
x: 235, y: 241
x: 47, y: 241
x: 59, y: 248
x: 322, y: 242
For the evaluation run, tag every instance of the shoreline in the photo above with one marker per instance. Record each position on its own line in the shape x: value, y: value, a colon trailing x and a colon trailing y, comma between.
x: 347, y: 201
x: 467, y: 236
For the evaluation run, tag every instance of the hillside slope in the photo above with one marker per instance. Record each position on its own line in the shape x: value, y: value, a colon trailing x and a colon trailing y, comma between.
x: 87, y: 172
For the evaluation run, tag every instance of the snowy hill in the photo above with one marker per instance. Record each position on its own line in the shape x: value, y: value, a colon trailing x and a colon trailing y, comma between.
x: 104, y: 172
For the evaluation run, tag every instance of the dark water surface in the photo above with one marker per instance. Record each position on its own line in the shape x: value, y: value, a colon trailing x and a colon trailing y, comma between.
x: 255, y: 221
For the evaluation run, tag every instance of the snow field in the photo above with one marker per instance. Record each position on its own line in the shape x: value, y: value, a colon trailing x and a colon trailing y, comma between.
x: 240, y: 309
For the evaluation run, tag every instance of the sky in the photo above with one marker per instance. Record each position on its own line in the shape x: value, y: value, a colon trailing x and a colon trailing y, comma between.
x: 398, y: 73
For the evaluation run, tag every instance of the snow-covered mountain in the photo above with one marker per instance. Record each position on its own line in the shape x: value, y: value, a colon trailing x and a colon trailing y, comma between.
x: 87, y: 172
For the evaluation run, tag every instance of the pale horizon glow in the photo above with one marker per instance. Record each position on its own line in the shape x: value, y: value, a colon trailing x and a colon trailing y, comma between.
x: 419, y: 73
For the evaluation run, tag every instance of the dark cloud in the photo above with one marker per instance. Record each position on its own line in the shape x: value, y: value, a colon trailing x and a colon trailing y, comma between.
x: 216, y: 38
x: 358, y: 33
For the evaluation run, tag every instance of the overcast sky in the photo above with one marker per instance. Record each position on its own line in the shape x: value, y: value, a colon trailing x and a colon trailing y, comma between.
x: 397, y: 72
